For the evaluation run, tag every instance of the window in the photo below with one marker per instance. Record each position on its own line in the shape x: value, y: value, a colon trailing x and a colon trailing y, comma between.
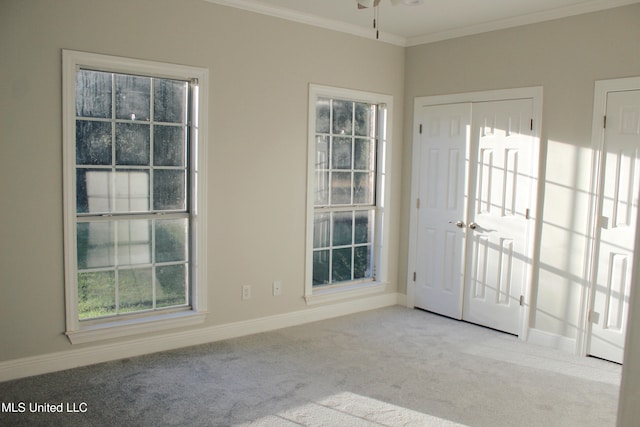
x: 134, y: 141
x: 346, y: 197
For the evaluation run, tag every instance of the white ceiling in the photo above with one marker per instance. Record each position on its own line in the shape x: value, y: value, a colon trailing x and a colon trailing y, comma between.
x: 430, y: 21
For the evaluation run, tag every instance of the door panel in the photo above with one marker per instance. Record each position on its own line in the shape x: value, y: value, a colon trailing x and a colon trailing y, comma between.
x: 439, y: 270
x: 618, y: 210
x: 497, y: 255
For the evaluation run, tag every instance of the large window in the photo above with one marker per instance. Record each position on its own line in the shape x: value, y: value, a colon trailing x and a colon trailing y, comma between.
x: 133, y: 155
x: 347, y: 142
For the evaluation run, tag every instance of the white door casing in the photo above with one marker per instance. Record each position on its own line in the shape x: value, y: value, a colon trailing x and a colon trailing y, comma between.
x: 441, y: 228
x: 616, y: 214
x: 521, y: 178
x: 497, y: 258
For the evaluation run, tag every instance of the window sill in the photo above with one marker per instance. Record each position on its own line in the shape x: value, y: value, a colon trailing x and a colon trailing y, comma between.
x: 321, y: 295
x: 141, y: 325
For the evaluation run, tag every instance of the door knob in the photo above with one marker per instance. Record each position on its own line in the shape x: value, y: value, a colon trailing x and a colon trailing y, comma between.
x: 473, y: 225
x: 459, y: 224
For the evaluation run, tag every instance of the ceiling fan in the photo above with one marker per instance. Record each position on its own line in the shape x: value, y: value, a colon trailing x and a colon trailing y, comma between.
x: 364, y: 4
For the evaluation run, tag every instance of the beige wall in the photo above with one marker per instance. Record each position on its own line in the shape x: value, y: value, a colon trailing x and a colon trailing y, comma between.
x: 566, y: 57
x: 260, y: 69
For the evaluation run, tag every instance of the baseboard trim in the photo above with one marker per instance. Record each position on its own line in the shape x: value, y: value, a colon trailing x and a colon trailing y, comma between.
x: 555, y: 341
x: 52, y: 362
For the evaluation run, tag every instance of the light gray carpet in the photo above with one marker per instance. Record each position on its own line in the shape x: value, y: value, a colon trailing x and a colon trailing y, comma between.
x: 388, y: 367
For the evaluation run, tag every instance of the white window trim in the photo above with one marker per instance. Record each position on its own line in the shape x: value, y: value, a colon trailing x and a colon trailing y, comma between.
x: 87, y: 331
x: 351, y: 289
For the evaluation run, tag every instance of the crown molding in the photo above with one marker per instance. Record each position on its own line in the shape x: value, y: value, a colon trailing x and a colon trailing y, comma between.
x: 258, y: 6
x: 310, y: 19
x: 516, y: 21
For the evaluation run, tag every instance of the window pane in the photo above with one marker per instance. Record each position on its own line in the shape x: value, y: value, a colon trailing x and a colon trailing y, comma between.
x: 342, y: 117
x: 364, y: 125
x: 363, y: 187
x: 133, y: 97
x: 362, y: 262
x: 132, y: 144
x: 342, y: 228
x: 171, y: 240
x: 169, y: 101
x: 364, y: 154
x: 93, y: 94
x: 322, y: 152
x: 321, y: 230
x: 341, y: 188
x: 364, y: 223
x: 322, y: 189
x: 93, y: 190
x: 171, y: 285
x: 135, y: 289
x: 320, y: 268
x: 132, y: 191
x: 96, y: 294
x: 168, y: 146
x: 169, y: 190
x: 95, y: 245
x: 134, y: 242
x: 341, y: 265
x: 341, y: 153
x: 93, y: 143
x: 322, y: 115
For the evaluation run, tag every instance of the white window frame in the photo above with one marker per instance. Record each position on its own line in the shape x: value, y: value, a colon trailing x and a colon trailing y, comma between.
x: 354, y: 288
x: 93, y: 330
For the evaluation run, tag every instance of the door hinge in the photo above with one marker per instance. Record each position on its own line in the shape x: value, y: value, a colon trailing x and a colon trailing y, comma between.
x: 604, y: 122
x: 414, y: 276
x: 526, y: 213
x: 420, y: 129
x: 531, y: 125
x: 593, y: 316
x: 418, y: 203
x: 521, y: 300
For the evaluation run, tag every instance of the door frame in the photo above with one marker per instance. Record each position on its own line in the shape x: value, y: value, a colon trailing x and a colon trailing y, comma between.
x: 534, y: 93
x: 587, y: 292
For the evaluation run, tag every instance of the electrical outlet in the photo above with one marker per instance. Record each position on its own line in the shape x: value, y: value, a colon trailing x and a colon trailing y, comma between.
x: 277, y: 288
x: 246, y: 292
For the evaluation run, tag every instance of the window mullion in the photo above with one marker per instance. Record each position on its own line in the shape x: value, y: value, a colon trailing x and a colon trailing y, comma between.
x: 151, y: 142
x: 352, y: 166
x: 353, y: 243
x: 153, y: 265
x: 330, y: 154
x: 116, y: 265
x: 330, y: 247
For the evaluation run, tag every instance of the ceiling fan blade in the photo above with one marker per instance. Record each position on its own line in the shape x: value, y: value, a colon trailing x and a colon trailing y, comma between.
x: 363, y: 4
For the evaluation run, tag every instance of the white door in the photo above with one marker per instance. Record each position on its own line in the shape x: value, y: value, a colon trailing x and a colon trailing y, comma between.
x: 618, y: 209
x: 476, y: 178
x: 441, y: 226
x: 498, y: 255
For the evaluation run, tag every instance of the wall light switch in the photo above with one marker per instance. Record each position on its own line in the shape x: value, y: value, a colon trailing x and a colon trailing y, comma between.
x: 246, y: 292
